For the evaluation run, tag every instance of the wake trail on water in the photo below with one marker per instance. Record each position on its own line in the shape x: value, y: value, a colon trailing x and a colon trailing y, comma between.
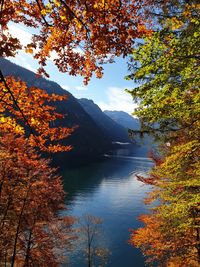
x: 128, y: 157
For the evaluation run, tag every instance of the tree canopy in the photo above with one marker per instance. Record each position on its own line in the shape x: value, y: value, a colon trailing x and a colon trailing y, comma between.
x: 166, y: 65
x: 31, y: 231
x: 29, y: 112
x: 82, y: 34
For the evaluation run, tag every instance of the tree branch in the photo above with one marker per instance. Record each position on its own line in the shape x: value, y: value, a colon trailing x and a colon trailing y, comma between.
x: 1, y: 9
x: 75, y: 16
x: 2, y: 80
x: 43, y: 17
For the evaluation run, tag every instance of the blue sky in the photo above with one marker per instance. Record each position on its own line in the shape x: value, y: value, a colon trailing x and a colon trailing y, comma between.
x: 107, y: 92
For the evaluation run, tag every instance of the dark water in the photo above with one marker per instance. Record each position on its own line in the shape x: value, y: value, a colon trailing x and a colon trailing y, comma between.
x: 110, y: 190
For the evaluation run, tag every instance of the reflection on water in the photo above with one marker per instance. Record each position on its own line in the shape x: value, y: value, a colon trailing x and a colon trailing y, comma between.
x: 110, y: 190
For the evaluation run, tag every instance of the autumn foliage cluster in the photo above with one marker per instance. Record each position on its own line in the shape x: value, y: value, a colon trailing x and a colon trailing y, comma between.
x: 80, y: 35
x: 31, y: 195
x: 29, y: 111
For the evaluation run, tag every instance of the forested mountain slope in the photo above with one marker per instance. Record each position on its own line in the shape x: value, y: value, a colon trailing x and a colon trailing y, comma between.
x: 87, y: 140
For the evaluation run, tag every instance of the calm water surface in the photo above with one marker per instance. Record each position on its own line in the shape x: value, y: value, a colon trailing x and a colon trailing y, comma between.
x: 110, y: 190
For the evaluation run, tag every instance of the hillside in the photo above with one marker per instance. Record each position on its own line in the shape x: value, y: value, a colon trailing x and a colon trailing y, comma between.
x: 114, y: 131
x: 142, y: 145
x: 85, y: 139
x: 123, y: 119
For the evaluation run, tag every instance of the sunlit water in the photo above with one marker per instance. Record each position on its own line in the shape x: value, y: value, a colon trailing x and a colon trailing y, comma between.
x: 110, y: 190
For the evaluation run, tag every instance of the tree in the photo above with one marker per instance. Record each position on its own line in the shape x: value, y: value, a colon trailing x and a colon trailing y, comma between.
x: 167, y: 66
x: 90, y: 232
x: 31, y: 194
x: 32, y: 233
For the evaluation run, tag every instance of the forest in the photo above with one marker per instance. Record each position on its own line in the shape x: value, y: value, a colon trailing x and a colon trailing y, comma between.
x: 161, y: 42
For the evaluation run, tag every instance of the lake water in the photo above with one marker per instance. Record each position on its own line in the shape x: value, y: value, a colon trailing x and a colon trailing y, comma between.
x: 109, y: 189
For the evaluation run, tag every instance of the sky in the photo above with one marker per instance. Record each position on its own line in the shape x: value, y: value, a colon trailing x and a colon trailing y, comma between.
x: 108, y: 92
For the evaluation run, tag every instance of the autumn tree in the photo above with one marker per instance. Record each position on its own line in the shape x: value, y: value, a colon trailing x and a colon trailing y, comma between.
x: 90, y: 233
x: 167, y: 66
x: 31, y: 231
x: 29, y: 112
x: 31, y: 194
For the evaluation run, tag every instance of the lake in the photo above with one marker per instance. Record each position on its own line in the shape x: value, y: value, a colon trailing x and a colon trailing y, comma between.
x: 109, y: 189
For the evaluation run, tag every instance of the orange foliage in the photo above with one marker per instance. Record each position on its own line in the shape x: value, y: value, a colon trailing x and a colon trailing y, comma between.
x: 82, y: 34
x: 29, y: 110
x: 163, y: 246
x: 30, y: 197
x: 163, y: 239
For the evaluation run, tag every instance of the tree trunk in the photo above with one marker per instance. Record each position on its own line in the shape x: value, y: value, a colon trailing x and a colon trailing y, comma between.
x: 18, y: 229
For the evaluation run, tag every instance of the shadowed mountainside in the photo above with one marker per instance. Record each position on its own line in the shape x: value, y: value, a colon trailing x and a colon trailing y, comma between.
x: 88, y: 140
x: 123, y: 119
x: 114, y: 131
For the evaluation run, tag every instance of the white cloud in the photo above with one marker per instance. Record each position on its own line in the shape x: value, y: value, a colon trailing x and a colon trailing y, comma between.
x: 74, y: 88
x: 18, y: 32
x: 119, y: 100
x: 78, y: 50
x: 80, y: 88
x: 66, y: 87
x: 25, y: 37
x: 23, y: 60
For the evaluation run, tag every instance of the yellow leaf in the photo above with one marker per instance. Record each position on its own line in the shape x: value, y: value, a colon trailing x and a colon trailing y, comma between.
x: 49, y: 6
x: 29, y: 50
x: 2, y: 119
x: 44, y: 12
x: 63, y: 17
x: 176, y: 24
x: 57, y: 3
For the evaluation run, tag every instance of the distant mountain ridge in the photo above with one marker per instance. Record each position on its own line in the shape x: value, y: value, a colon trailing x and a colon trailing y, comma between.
x: 124, y: 119
x: 114, y: 131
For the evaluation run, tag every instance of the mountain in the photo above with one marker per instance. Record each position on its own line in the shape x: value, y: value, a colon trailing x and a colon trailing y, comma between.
x: 88, y: 134
x: 124, y: 119
x: 114, y: 131
x: 145, y: 144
